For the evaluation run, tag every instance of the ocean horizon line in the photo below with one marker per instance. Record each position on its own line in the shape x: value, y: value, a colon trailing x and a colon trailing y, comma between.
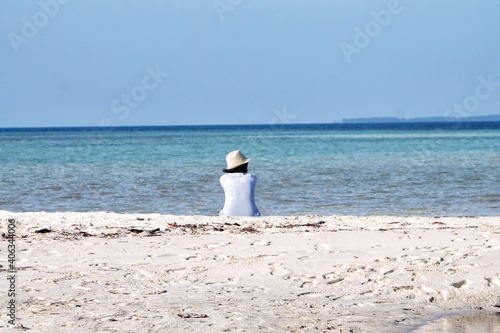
x: 458, y: 124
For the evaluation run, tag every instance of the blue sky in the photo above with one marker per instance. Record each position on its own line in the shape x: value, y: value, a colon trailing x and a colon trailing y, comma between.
x: 184, y: 62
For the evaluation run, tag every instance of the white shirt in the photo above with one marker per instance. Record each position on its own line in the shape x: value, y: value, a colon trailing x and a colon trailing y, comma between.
x: 239, y: 189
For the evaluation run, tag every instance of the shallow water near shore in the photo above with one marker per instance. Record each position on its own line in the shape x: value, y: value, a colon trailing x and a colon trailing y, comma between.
x: 301, y: 170
x: 471, y: 323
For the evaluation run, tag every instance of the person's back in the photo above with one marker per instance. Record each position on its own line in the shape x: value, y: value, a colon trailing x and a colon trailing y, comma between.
x: 239, y: 187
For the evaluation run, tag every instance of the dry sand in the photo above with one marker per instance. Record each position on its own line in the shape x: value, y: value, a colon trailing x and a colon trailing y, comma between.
x: 107, y: 272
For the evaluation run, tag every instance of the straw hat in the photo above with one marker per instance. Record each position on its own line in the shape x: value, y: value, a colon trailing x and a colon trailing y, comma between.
x: 235, y: 159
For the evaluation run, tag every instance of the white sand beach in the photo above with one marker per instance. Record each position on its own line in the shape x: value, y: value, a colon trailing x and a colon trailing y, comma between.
x: 108, y: 272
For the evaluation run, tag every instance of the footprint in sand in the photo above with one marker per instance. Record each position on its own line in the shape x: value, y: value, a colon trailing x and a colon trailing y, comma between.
x: 196, y: 257
x: 491, y: 281
x: 260, y: 242
x: 163, y: 255
x: 322, y: 247
x: 305, y: 279
x: 141, y: 275
x: 222, y: 257
x: 277, y: 269
x: 214, y: 245
x: 337, y: 280
x: 176, y: 270
x: 329, y: 275
x: 460, y: 284
x: 207, y: 246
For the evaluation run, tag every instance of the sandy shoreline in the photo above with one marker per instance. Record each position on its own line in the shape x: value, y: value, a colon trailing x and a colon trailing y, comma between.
x: 162, y: 273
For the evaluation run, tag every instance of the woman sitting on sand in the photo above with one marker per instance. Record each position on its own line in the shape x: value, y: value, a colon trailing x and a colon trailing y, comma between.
x: 239, y: 187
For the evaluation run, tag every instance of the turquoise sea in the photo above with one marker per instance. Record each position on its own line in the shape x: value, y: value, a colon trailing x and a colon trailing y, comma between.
x: 361, y: 169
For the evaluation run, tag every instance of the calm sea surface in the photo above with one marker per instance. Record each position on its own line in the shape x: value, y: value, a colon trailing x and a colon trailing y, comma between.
x: 397, y: 169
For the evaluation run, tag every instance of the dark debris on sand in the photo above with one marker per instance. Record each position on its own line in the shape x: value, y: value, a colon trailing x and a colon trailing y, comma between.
x: 189, y: 228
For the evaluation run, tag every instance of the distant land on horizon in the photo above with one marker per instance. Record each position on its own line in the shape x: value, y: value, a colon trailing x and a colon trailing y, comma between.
x: 349, y: 122
x: 419, y: 120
